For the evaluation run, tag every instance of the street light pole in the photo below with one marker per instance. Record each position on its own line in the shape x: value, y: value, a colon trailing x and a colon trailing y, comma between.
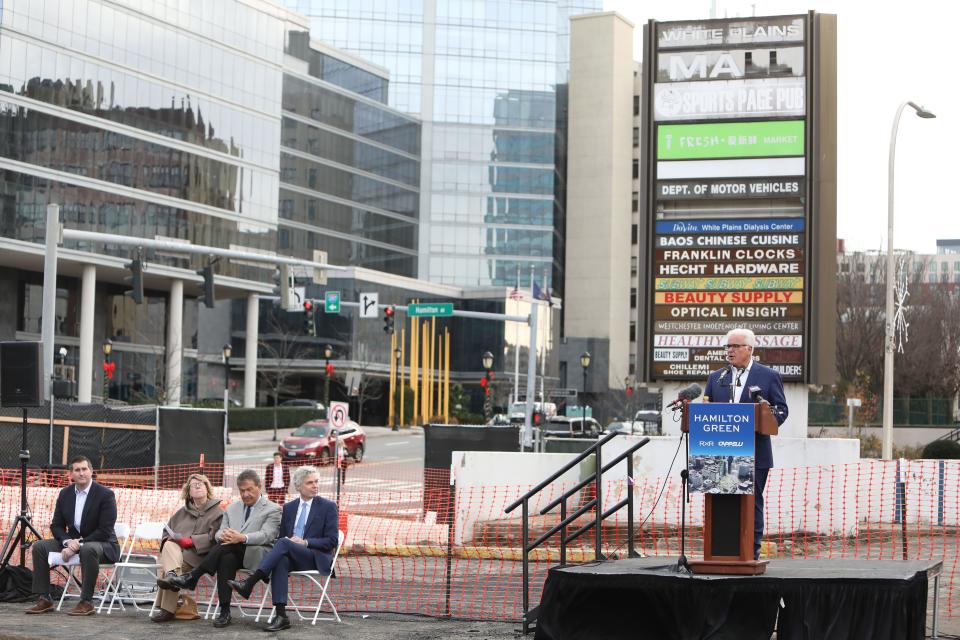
x: 585, y: 363
x: 227, y: 351
x: 107, y: 350
x: 487, y: 361
x: 397, y: 354
x: 327, y: 354
x: 889, y: 320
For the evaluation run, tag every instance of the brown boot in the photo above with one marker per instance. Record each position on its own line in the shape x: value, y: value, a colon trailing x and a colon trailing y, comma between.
x: 162, y: 616
x: 83, y: 608
x: 41, y: 606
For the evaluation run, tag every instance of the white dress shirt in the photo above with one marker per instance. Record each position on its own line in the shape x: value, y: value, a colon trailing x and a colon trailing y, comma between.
x: 740, y: 380
x: 81, y: 500
x: 277, y: 477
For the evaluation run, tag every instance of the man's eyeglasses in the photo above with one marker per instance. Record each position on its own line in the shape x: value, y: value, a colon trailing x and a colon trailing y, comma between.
x: 733, y: 346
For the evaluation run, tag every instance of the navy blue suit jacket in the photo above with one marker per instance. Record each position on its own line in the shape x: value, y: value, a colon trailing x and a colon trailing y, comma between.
x: 96, y: 522
x: 771, y: 388
x: 321, y: 530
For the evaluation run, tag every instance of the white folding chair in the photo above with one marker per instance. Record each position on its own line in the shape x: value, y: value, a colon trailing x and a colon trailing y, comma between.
x: 318, y: 579
x: 128, y: 567
x: 122, y: 531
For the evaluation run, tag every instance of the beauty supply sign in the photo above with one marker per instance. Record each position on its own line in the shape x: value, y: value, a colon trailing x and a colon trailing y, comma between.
x: 729, y: 238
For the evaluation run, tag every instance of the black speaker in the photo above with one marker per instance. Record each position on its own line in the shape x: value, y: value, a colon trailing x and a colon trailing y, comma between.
x: 21, y: 374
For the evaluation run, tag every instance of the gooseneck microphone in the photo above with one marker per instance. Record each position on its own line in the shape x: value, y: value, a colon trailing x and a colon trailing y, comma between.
x: 688, y: 393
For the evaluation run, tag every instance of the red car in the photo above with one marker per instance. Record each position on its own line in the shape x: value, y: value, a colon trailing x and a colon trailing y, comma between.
x: 315, y: 440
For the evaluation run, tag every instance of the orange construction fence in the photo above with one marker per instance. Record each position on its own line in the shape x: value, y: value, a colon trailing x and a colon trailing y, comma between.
x: 448, y: 550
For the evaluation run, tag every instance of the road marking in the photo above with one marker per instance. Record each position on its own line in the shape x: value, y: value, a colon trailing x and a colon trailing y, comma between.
x: 394, y: 444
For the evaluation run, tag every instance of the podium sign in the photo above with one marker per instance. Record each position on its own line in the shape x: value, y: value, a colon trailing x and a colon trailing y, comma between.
x: 722, y: 448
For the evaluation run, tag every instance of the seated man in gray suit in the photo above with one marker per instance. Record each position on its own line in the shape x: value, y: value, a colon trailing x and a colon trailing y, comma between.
x: 247, y: 532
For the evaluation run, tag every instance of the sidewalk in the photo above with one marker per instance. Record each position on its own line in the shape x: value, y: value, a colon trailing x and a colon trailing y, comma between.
x: 135, y: 626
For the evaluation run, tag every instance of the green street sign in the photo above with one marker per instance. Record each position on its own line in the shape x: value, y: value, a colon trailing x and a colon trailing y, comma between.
x: 331, y: 302
x: 430, y: 309
x: 774, y: 138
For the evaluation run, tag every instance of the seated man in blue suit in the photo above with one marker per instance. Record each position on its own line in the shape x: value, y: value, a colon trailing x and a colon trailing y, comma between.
x: 744, y: 373
x: 309, y: 534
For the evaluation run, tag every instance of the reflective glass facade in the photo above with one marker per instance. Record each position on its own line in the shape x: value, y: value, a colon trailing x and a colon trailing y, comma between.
x: 488, y: 78
x: 142, y: 117
x: 349, y: 166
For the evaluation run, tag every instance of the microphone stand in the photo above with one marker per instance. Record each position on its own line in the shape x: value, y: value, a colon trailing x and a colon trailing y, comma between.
x: 682, y: 565
x: 733, y: 384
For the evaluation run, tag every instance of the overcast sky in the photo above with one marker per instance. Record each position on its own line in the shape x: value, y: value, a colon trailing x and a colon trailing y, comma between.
x: 884, y: 58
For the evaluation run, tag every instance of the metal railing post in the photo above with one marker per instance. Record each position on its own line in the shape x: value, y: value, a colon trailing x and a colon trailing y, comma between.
x: 630, y: 550
x: 598, y: 535
x: 563, y: 533
x: 525, y: 531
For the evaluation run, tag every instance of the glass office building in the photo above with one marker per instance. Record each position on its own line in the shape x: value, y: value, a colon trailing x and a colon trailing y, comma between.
x: 145, y: 118
x: 486, y: 77
x: 349, y: 164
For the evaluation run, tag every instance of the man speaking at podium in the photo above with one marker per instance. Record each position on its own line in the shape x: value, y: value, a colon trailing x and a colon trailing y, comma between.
x: 749, y: 381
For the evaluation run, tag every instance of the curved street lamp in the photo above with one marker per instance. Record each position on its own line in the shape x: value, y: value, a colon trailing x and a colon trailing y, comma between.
x: 889, y: 320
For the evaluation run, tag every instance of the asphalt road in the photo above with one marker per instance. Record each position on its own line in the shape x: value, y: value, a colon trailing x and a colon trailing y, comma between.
x: 403, y: 447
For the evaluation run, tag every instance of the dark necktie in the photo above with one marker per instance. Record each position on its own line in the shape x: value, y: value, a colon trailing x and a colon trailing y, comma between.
x: 246, y: 513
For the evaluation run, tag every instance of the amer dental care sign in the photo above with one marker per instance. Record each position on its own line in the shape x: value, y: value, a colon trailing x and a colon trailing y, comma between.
x: 721, y: 447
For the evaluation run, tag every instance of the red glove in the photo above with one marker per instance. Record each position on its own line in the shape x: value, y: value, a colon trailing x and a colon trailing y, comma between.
x: 185, y: 543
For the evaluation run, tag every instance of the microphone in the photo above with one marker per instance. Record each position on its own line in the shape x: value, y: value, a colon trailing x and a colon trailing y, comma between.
x: 755, y: 395
x: 689, y: 393
x: 723, y: 374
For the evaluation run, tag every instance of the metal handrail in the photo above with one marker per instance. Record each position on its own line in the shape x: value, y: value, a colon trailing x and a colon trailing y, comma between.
x: 540, y: 487
x: 565, y: 520
x: 588, y: 480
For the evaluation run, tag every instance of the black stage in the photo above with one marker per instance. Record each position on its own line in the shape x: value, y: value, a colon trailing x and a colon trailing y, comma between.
x: 800, y: 599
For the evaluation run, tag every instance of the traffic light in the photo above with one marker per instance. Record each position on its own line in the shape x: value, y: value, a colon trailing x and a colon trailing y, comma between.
x: 135, y: 280
x: 309, y: 322
x: 207, y: 297
x: 388, y: 320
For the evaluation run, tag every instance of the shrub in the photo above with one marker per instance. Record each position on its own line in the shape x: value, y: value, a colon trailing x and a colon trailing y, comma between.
x: 942, y: 450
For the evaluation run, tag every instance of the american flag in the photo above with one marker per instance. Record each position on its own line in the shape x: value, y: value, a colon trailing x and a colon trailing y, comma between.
x: 515, y: 294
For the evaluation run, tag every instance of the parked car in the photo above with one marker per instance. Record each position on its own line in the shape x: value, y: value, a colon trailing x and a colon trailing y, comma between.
x: 303, y: 402
x: 564, y: 427
x: 315, y: 440
x: 646, y: 422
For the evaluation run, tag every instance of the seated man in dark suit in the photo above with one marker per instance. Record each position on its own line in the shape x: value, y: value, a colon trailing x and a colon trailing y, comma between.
x: 309, y: 534
x: 247, y: 532
x: 744, y: 373
x: 83, y: 521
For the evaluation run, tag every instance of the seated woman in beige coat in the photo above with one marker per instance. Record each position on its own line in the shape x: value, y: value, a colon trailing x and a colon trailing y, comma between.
x: 194, y: 525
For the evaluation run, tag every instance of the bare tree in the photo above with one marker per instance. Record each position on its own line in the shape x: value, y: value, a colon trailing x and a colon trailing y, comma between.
x: 280, y: 348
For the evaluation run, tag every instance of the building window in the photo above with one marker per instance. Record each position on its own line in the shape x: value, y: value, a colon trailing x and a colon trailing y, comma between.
x: 636, y: 136
x: 636, y: 202
x: 633, y: 297
x: 636, y: 168
x: 633, y: 332
x: 636, y: 105
x: 634, y: 233
x: 633, y: 363
x: 633, y: 266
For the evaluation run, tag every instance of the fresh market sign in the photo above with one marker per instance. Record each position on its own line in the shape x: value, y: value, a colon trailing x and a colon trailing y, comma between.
x: 730, y: 140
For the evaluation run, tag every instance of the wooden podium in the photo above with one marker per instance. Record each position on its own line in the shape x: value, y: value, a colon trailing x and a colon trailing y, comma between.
x: 729, y: 518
